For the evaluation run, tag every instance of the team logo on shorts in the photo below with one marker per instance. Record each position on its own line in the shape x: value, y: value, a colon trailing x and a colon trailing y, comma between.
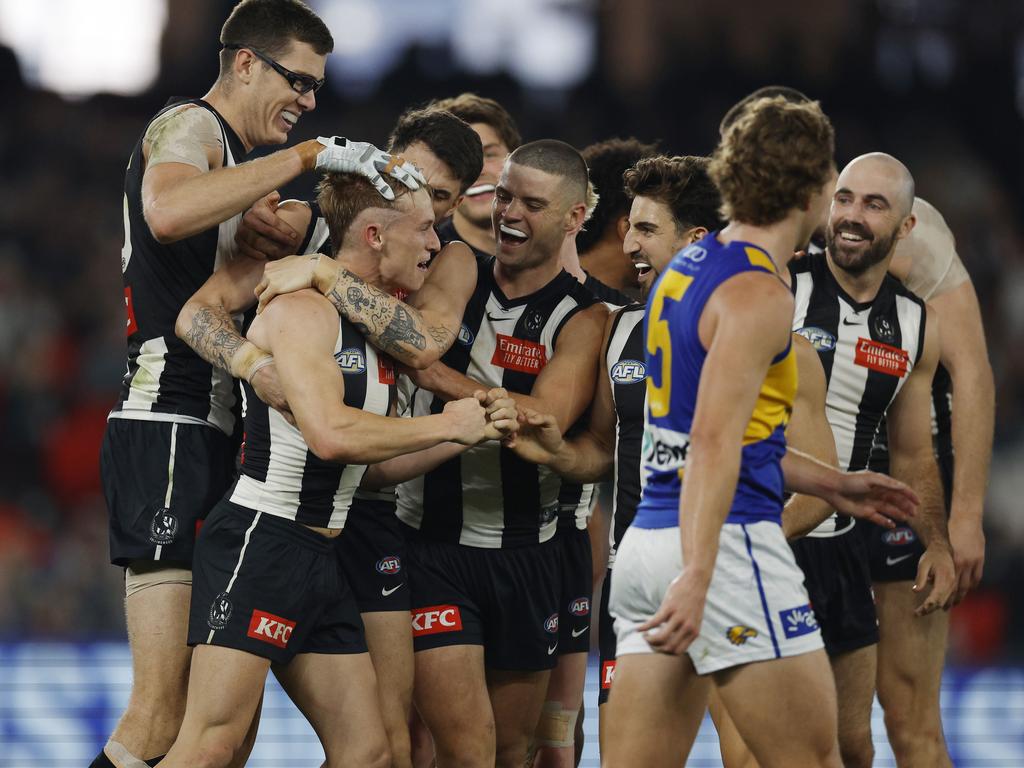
x: 389, y: 565
x: 821, y: 340
x: 551, y: 624
x: 220, y: 612
x: 628, y: 372
x: 798, y: 621
x: 607, y: 674
x: 898, y: 537
x: 351, y: 360
x: 739, y: 634
x: 465, y: 336
x: 580, y: 606
x: 163, y: 528
x: 436, y: 618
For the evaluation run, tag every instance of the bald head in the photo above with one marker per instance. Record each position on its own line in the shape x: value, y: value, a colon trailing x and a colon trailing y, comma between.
x: 881, y: 174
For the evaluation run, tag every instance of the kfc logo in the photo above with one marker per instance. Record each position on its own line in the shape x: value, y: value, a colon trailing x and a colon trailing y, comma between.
x: 385, y: 370
x: 607, y: 674
x: 436, y: 618
x: 270, y: 628
x: 131, y: 326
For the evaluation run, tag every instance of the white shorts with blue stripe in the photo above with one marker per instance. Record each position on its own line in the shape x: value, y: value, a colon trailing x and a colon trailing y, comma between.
x: 757, y: 607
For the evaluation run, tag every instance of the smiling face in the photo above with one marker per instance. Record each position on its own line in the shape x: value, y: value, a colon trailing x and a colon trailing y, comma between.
x: 408, y: 241
x: 654, y: 238
x: 443, y: 184
x: 476, y: 205
x: 531, y: 216
x: 869, y: 213
x: 274, y: 106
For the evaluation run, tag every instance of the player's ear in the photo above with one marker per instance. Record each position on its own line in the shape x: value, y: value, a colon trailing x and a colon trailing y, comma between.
x: 574, y: 219
x: 906, y: 226
x: 373, y: 235
x: 695, y: 234
x: 622, y: 227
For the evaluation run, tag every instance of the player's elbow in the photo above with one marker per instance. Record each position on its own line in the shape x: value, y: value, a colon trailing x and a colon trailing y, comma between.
x: 331, y: 444
x: 421, y: 359
x: 163, y: 224
x: 183, y: 323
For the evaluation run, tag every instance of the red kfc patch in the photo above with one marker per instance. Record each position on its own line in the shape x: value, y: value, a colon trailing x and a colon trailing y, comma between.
x: 385, y: 370
x: 436, y: 618
x: 519, y: 355
x: 130, y: 326
x: 270, y: 628
x: 882, y: 357
x: 607, y: 674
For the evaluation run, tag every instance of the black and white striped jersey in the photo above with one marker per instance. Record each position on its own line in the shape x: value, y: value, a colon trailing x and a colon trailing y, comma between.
x: 867, y: 350
x: 624, y: 362
x: 279, y: 474
x: 488, y: 496
x: 165, y: 380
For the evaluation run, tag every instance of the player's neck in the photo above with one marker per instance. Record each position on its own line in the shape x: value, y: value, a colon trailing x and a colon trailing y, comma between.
x: 363, y: 265
x: 780, y: 240
x: 863, y: 287
x: 230, y: 111
x: 516, y: 283
x: 606, y: 262
x: 570, y: 260
x: 481, y: 238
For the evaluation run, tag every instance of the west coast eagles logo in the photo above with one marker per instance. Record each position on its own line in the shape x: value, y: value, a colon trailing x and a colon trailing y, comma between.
x: 164, y: 527
x: 739, y: 634
x: 220, y: 612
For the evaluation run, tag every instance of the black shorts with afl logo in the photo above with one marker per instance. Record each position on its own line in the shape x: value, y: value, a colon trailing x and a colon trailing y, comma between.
x: 893, y: 554
x: 839, y: 584
x: 574, y: 612
x: 271, y: 587
x: 160, y: 480
x: 503, y: 599
x: 371, y: 554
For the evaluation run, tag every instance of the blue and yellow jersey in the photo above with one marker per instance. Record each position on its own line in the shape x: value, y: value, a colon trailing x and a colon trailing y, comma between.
x: 675, y: 358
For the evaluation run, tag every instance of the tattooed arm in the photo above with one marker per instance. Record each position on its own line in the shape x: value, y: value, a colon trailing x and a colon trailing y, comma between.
x: 416, y: 333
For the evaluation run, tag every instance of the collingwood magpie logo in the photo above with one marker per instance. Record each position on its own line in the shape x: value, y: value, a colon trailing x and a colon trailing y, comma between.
x: 220, y: 612
x: 533, y: 323
x: 163, y: 528
x: 883, y: 329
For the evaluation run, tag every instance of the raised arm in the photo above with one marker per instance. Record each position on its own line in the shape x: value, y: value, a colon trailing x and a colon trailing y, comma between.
x: 417, y: 333
x: 963, y: 352
x: 300, y: 330
x: 912, y: 459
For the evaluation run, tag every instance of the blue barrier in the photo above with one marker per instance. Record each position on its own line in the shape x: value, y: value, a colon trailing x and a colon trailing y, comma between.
x: 59, y: 701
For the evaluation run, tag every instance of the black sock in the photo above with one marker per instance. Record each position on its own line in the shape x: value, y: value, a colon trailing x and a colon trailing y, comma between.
x: 155, y: 760
x: 102, y: 761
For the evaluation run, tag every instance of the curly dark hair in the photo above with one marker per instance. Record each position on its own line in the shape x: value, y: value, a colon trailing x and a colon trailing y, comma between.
x: 791, y: 95
x: 447, y: 136
x: 683, y: 184
x: 773, y: 158
x: 606, y: 162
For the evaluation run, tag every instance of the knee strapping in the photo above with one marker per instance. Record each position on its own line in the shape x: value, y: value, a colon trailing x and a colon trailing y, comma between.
x: 143, y: 575
x: 557, y: 727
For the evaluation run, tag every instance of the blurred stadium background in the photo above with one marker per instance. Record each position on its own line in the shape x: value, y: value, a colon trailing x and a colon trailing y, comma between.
x: 938, y: 83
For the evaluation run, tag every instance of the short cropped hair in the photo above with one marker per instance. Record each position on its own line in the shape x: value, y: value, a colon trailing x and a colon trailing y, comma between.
x: 774, y: 158
x: 447, y: 136
x: 480, y: 109
x: 343, y: 196
x: 557, y: 158
x: 606, y: 162
x: 792, y: 95
x: 681, y: 183
x: 271, y: 26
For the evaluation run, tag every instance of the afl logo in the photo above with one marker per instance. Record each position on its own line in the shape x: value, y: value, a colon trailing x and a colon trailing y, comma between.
x: 822, y: 341
x: 899, y: 537
x: 580, y: 606
x: 389, y: 565
x: 351, y: 360
x: 551, y: 624
x: 220, y: 612
x: 628, y: 372
x: 693, y: 253
x: 465, y: 336
x: 163, y: 528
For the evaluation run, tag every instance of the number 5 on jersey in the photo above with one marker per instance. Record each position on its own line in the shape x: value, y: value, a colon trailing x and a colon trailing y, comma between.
x: 672, y: 286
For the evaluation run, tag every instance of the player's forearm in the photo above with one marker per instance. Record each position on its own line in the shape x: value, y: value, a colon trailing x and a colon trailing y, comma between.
x: 921, y: 472
x: 709, y: 484
x: 200, y: 202
x: 409, y: 465
x: 357, y: 437
x: 802, y: 514
x: 804, y: 473
x: 212, y: 334
x: 583, y: 459
x: 973, y: 426
x: 392, y: 326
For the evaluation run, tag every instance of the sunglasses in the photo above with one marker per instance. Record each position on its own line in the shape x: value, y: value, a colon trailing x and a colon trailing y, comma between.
x: 301, y: 84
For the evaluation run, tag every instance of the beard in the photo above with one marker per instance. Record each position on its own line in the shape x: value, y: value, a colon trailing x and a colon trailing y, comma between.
x: 857, y: 262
